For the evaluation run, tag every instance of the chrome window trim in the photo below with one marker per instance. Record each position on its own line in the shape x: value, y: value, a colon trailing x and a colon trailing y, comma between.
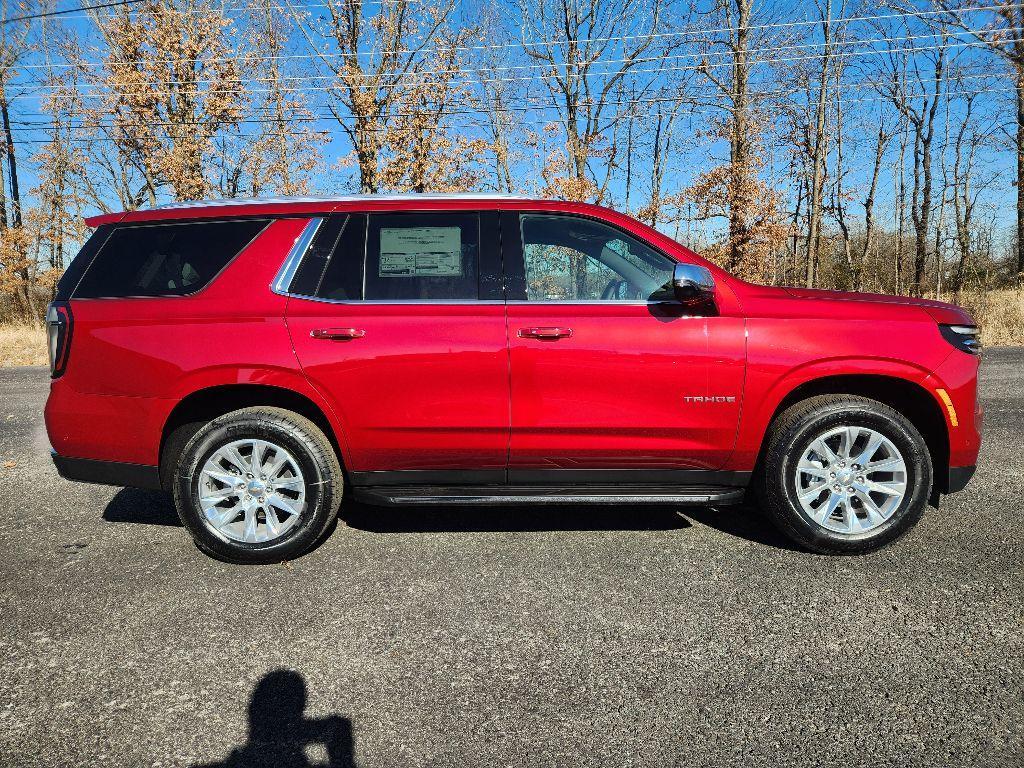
x: 395, y: 302
x: 283, y: 280
x: 592, y: 302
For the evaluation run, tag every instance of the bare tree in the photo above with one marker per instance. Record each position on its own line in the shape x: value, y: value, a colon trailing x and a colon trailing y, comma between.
x: 587, y: 51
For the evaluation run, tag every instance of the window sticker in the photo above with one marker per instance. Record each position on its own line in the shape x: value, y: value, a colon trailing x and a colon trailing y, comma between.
x: 421, y: 252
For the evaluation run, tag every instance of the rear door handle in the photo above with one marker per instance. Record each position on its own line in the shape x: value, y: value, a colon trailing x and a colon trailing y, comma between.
x: 337, y: 334
x: 545, y: 333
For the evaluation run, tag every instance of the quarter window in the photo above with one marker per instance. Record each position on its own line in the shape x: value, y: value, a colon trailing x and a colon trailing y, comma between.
x: 165, y: 259
x: 574, y: 259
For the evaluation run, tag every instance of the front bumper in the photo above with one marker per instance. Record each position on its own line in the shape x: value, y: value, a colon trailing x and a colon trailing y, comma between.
x: 107, y: 472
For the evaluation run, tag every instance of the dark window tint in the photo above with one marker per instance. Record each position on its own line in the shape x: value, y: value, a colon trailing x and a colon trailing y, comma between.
x: 333, y: 266
x: 68, y: 281
x: 311, y: 269
x: 424, y: 256
x: 165, y: 259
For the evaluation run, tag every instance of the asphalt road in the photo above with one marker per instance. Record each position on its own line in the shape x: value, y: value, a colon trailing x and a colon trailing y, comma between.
x: 588, y: 636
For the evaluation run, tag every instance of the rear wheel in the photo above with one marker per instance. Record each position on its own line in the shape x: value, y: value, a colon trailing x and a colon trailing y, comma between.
x: 844, y: 474
x: 257, y: 485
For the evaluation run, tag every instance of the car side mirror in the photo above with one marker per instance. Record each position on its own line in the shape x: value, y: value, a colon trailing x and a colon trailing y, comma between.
x: 693, y: 285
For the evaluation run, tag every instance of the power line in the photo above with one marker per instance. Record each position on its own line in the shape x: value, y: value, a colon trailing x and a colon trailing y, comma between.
x: 465, y: 82
x: 414, y: 76
x: 560, y: 41
x: 699, y: 110
x: 48, y: 14
x: 525, y: 106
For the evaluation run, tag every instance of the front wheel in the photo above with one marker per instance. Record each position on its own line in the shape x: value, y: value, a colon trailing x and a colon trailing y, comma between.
x: 257, y: 485
x: 844, y: 475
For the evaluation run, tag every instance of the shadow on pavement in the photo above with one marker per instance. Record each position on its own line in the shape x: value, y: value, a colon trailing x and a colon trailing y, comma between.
x: 280, y: 734
x: 474, y: 519
x: 134, y: 505
x: 743, y: 522
x: 131, y: 505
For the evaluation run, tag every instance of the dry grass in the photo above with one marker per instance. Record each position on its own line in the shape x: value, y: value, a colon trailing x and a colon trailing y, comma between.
x: 22, y: 344
x: 1001, y: 314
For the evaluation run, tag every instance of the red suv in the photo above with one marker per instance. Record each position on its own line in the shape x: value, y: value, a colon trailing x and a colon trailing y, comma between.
x: 261, y: 359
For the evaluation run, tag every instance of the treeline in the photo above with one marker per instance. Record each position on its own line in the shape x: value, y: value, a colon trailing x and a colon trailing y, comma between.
x: 874, y: 147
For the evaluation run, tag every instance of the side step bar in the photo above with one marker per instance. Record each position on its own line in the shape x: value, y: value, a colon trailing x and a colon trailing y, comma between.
x: 499, y: 495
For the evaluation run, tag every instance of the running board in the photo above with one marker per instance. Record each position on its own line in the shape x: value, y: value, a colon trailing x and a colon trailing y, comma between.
x: 500, y: 495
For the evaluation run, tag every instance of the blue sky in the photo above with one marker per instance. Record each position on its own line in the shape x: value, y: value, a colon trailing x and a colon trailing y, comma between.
x: 789, y: 42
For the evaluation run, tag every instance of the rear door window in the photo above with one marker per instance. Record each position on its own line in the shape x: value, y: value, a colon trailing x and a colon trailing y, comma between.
x: 172, y: 259
x: 423, y: 257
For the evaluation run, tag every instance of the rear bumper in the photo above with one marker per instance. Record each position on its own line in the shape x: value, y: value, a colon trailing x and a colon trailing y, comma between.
x: 107, y: 472
x: 958, y: 478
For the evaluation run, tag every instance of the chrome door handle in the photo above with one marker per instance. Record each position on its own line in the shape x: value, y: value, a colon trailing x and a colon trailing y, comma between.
x: 545, y: 333
x: 337, y: 334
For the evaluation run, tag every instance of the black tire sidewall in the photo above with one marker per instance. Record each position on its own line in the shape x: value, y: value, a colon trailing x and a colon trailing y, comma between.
x: 856, y: 414
x: 307, y: 454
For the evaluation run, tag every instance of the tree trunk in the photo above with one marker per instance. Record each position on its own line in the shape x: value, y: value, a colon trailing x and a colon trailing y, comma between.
x: 1019, y: 83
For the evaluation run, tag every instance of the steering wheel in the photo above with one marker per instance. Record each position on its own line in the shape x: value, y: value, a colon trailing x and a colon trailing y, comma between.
x: 613, y: 289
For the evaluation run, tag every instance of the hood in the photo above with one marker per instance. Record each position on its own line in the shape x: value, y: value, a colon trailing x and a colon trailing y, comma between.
x: 940, y: 311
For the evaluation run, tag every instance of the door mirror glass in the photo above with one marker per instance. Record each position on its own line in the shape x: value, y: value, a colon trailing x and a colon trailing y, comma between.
x: 693, y: 285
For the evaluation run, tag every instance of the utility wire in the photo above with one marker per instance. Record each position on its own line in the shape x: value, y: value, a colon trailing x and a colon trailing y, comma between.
x: 700, y: 110
x: 48, y: 14
x: 465, y: 82
x: 559, y: 41
x: 415, y: 76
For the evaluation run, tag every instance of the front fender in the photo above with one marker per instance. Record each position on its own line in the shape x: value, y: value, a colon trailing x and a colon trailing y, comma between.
x: 766, y: 390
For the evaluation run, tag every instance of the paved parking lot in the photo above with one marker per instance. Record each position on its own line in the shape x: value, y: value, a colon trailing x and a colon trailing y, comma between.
x: 566, y: 636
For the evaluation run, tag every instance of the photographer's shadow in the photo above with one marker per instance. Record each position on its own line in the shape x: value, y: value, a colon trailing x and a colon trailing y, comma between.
x: 280, y: 734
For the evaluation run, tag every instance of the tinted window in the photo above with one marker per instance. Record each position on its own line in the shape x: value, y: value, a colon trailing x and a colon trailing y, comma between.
x: 573, y: 259
x: 165, y: 259
x: 68, y: 281
x: 311, y: 269
x: 427, y: 256
x: 336, y: 257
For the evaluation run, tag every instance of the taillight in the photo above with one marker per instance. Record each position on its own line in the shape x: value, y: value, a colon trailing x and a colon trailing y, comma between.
x: 59, y: 323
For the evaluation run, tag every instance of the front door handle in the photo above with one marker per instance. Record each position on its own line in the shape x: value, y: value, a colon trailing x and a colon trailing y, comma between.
x: 337, y: 334
x: 545, y: 333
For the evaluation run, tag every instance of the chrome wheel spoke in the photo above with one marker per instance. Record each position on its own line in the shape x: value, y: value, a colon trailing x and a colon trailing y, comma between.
x: 273, y: 524
x: 846, y: 440
x: 218, y: 494
x: 232, y: 455
x: 280, y: 503
x: 874, y: 443
x: 249, y: 535
x: 873, y: 512
x: 222, y: 477
x: 892, y: 464
x: 809, y: 494
x: 248, y: 507
x: 821, y: 448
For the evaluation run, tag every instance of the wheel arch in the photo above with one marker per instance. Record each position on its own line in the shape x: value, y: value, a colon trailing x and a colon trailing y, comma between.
x: 908, y: 397
x: 203, y: 405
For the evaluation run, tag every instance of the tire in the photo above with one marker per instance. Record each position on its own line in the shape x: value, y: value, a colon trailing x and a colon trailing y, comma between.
x: 257, y: 521
x: 864, y: 519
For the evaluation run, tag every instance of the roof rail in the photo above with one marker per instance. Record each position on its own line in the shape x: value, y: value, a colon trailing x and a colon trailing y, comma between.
x: 341, y: 199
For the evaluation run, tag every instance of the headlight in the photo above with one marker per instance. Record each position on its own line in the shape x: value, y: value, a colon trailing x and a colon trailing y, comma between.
x: 966, y: 338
